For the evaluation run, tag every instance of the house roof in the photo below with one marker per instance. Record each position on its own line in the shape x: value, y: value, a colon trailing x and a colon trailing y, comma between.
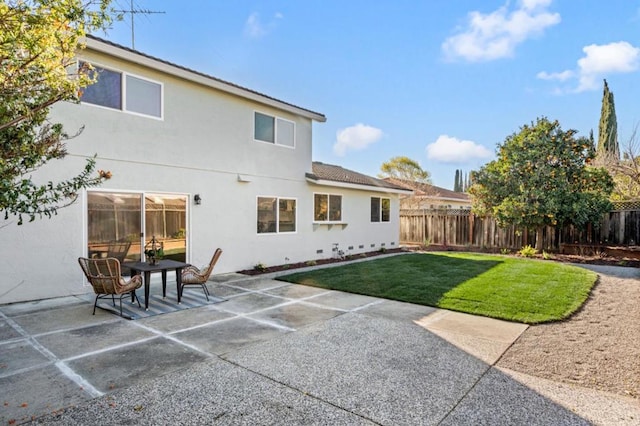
x: 331, y: 175
x: 431, y: 191
x: 123, y: 52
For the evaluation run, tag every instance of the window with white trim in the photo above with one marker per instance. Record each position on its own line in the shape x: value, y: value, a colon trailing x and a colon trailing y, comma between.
x: 276, y: 215
x: 125, y: 92
x: 327, y: 208
x: 275, y: 130
x: 380, y: 209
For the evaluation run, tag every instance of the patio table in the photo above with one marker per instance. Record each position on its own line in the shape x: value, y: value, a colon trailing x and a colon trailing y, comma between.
x: 161, y: 266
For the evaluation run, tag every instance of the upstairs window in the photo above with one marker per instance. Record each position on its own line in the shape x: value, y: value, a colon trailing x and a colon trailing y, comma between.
x: 118, y: 90
x: 327, y: 208
x: 275, y: 130
x: 380, y: 209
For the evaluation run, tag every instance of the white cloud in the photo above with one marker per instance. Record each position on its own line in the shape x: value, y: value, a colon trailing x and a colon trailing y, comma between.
x: 495, y: 35
x: 355, y: 138
x: 598, y: 62
x: 255, y: 28
x: 448, y: 149
x: 560, y: 76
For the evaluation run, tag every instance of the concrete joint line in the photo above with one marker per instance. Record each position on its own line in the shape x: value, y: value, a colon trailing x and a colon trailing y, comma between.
x: 306, y: 394
x: 109, y: 348
x: 175, y: 340
x: 26, y: 369
x: 489, y: 367
x: 60, y: 365
x: 368, y: 305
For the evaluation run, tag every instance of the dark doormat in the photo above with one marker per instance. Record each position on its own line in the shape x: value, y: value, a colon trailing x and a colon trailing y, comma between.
x: 191, y: 298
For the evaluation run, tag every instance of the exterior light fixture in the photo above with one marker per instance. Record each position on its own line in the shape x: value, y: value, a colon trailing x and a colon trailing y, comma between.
x: 197, y: 200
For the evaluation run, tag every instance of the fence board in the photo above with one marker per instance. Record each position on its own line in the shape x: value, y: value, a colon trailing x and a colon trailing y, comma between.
x: 463, y: 228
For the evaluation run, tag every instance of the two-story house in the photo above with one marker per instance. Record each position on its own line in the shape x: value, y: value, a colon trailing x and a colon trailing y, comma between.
x: 197, y: 163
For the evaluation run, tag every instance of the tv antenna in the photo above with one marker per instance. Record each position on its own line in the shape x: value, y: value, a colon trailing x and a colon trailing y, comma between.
x: 133, y: 12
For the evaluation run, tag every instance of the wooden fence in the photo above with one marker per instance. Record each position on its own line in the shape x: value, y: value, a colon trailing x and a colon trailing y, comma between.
x: 463, y: 228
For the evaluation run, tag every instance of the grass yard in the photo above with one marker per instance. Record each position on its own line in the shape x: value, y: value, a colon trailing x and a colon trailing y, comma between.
x: 510, y: 288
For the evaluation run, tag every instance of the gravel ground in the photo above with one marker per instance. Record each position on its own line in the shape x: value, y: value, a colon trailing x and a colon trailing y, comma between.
x: 598, y: 347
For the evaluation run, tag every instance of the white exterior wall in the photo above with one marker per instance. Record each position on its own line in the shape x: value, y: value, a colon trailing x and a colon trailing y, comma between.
x: 203, y: 143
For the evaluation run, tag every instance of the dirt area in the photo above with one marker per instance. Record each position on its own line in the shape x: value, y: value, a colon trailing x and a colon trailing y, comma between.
x: 598, y: 347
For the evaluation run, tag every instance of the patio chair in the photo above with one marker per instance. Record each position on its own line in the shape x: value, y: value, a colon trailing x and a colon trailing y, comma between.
x: 118, y: 249
x: 106, y: 279
x: 194, y: 276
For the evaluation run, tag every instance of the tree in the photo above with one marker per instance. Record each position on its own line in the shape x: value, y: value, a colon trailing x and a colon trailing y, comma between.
x: 39, y: 40
x: 626, y: 171
x: 608, y: 129
x: 542, y: 177
x: 404, y: 168
x: 456, y: 183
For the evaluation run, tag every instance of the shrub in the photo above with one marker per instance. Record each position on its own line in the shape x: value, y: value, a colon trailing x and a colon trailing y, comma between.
x: 546, y: 256
x: 260, y: 267
x: 311, y: 263
x: 505, y: 251
x: 527, y: 251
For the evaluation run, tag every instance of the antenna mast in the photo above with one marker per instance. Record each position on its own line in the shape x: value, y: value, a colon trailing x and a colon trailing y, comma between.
x: 132, y: 11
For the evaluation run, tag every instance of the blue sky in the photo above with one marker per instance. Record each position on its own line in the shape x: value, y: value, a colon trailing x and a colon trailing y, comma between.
x: 442, y: 82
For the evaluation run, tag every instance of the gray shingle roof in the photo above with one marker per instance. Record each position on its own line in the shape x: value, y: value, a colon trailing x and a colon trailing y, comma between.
x: 322, y: 171
x: 425, y: 189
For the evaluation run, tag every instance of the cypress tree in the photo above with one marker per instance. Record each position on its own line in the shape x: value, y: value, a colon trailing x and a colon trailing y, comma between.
x: 608, y: 129
x: 456, y: 183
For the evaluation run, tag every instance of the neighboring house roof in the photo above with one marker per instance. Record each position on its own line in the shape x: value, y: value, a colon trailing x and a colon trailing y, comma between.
x: 123, y: 52
x: 331, y: 175
x: 426, y: 190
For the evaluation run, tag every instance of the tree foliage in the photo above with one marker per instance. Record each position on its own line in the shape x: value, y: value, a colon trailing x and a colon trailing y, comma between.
x: 608, y: 128
x: 626, y: 172
x: 542, y: 177
x: 38, y: 43
x: 404, y: 168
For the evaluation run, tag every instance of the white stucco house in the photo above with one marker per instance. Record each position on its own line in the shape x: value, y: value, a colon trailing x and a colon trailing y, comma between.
x: 197, y: 163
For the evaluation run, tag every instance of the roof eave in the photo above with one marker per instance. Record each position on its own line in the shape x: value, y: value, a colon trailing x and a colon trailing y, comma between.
x: 370, y: 188
x: 177, y: 71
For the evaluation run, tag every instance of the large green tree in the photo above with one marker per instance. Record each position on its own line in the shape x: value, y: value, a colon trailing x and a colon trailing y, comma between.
x: 608, y: 128
x: 39, y: 40
x: 404, y: 168
x: 542, y: 177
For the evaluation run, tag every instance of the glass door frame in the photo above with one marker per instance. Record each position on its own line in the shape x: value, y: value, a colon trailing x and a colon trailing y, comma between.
x: 143, y: 195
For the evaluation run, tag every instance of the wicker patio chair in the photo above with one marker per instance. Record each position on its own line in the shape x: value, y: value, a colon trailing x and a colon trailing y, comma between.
x: 106, y: 279
x: 194, y: 276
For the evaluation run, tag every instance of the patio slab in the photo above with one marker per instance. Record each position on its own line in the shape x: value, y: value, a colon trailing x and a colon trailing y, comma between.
x: 213, y: 392
x: 295, y: 315
x: 71, y: 316
x: 250, y: 303
x: 343, y: 300
x: 78, y: 341
x: 386, y: 371
x: 256, y: 284
x: 122, y: 366
x: 7, y: 332
x: 184, y: 319
x: 485, y: 338
x: 397, y: 311
x: 37, y: 392
x: 226, y: 336
x: 19, y: 355
x: 296, y: 292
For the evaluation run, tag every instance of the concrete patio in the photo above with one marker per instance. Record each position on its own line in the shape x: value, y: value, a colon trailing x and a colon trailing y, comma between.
x: 273, y: 353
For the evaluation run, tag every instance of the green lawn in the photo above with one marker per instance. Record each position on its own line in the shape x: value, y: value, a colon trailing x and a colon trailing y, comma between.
x: 510, y: 288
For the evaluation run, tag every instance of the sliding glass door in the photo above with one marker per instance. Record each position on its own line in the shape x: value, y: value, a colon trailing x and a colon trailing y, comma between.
x: 115, y: 223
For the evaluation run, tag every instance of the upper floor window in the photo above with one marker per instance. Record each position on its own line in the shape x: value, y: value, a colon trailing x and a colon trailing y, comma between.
x: 276, y: 215
x: 327, y: 208
x: 274, y: 130
x: 119, y: 90
x: 380, y: 209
